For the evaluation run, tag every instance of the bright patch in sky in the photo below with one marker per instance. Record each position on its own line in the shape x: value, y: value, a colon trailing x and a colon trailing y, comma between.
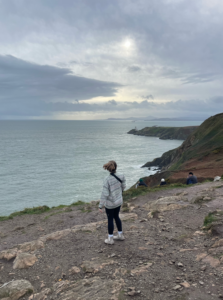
x: 127, y: 44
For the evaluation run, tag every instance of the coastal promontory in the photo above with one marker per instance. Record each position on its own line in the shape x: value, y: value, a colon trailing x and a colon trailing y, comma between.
x: 164, y: 133
x: 201, y: 152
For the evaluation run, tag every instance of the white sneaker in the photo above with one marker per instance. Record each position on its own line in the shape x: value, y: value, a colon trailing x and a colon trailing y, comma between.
x: 119, y: 237
x: 109, y: 240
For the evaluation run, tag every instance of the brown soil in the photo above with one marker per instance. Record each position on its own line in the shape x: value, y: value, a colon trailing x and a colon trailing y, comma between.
x: 154, y: 261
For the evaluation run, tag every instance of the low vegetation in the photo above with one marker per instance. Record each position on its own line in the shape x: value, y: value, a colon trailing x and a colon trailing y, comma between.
x: 209, y: 219
x: 40, y: 210
x: 215, y: 216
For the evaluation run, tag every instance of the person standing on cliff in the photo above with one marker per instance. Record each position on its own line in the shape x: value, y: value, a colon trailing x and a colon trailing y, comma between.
x: 191, y: 179
x: 111, y: 197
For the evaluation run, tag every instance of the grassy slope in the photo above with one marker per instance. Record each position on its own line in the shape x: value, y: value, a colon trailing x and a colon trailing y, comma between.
x: 208, y: 138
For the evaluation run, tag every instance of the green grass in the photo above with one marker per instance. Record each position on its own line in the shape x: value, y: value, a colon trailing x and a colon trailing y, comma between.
x: 39, y: 210
x: 59, y: 206
x: 209, y: 219
x: 5, y: 218
x: 78, y: 203
x: 27, y: 211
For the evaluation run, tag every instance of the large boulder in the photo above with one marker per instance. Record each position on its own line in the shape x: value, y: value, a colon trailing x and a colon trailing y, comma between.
x: 24, y: 261
x: 14, y: 290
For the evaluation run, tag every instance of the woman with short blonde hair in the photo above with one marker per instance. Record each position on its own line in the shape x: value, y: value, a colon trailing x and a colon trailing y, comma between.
x: 111, y: 197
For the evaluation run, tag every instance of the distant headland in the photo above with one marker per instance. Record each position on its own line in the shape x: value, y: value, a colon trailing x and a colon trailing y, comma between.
x: 201, y: 152
x: 164, y: 133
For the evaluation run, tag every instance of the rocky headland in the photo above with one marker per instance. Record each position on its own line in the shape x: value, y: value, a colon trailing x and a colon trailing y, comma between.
x: 201, y: 153
x: 164, y: 133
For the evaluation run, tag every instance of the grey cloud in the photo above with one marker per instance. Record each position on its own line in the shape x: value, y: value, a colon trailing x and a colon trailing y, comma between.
x: 20, y: 80
x: 218, y: 100
x: 134, y: 69
x: 84, y: 63
x: 113, y: 102
x: 148, y: 97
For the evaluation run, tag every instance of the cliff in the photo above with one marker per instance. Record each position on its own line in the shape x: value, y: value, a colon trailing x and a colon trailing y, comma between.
x: 164, y: 133
x: 201, y: 151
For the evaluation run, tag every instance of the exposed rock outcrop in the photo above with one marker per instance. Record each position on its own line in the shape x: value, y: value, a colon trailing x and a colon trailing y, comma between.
x: 24, y: 261
x: 168, y: 203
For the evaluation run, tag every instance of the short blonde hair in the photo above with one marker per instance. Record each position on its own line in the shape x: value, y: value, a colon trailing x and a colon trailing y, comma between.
x: 111, y: 166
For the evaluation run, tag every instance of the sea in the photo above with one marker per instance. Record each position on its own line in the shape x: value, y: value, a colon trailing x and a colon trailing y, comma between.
x: 61, y: 162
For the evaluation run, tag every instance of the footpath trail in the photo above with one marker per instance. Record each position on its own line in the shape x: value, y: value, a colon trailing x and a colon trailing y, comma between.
x: 167, y: 253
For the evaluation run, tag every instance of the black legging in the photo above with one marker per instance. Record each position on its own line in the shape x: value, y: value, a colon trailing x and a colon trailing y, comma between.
x: 113, y: 214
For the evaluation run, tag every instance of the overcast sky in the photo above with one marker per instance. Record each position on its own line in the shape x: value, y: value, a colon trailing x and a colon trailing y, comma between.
x: 95, y: 59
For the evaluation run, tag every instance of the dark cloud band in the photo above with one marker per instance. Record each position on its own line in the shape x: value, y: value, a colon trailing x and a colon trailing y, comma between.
x: 24, y: 81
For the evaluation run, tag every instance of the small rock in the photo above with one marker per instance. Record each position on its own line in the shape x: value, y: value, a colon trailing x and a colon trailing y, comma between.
x: 201, y: 282
x: 177, y: 287
x: 40, y: 229
x: 185, y: 284
x: 180, y: 264
x: 132, y: 293
x: 203, y: 268
x: 74, y: 270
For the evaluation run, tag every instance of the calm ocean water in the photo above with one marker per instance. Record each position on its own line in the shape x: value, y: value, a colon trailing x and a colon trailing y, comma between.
x: 60, y: 162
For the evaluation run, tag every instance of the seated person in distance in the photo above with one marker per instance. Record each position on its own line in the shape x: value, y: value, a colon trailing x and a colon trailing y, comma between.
x: 191, y: 179
x: 141, y: 182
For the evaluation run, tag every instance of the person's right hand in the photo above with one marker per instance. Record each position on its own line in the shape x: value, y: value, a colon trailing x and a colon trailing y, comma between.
x: 101, y: 211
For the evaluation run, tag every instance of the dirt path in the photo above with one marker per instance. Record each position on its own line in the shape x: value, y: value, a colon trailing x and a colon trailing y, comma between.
x: 165, y: 257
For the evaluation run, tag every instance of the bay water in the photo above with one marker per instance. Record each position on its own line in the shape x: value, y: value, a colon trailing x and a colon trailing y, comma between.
x: 60, y: 162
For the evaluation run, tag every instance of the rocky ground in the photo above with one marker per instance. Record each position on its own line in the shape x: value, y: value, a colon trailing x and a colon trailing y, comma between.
x: 167, y: 254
